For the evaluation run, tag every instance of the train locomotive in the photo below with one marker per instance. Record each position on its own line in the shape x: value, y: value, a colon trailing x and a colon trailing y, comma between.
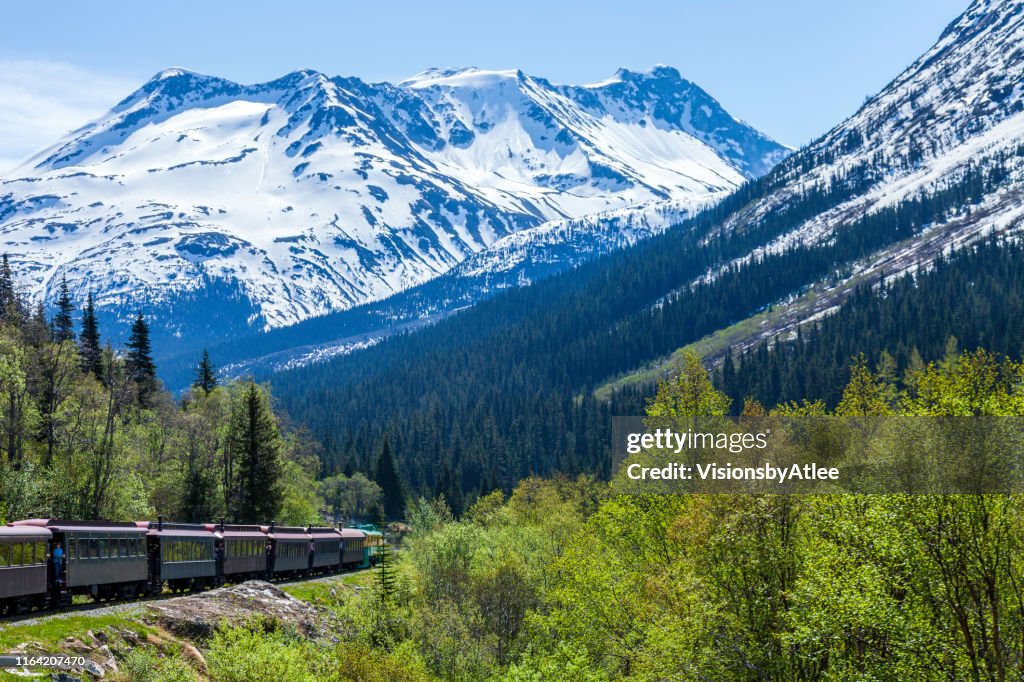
x: 44, y: 563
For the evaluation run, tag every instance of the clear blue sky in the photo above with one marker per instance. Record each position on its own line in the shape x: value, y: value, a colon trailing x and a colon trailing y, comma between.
x: 792, y: 68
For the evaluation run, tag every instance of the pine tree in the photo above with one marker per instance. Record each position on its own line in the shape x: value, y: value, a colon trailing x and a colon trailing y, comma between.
x: 63, y: 323
x: 390, y: 483
x: 254, y: 444
x: 8, y: 296
x: 205, y: 374
x: 89, y: 342
x: 139, y: 361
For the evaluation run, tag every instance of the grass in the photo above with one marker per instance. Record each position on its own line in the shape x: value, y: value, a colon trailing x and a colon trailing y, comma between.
x: 48, y: 636
x: 320, y: 590
x: 52, y: 632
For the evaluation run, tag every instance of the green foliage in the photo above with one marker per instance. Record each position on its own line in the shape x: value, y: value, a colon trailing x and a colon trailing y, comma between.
x: 386, y: 476
x: 87, y: 433
x: 970, y: 299
x: 89, y: 344
x: 142, y: 664
x: 352, y: 498
x: 205, y: 374
x: 254, y: 448
x: 139, y: 363
x: 562, y: 582
x: 250, y: 654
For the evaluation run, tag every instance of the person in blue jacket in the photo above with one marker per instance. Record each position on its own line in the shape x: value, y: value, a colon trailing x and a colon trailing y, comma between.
x: 58, y: 562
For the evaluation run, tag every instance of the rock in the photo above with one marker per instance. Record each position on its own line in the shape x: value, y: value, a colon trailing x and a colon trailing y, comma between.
x: 109, y: 662
x: 94, y: 668
x: 64, y: 677
x: 77, y: 646
x: 197, y: 616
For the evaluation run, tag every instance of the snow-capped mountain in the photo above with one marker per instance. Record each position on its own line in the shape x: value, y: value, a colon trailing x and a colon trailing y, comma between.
x: 516, y: 260
x: 948, y: 130
x: 221, y: 208
x: 957, y: 107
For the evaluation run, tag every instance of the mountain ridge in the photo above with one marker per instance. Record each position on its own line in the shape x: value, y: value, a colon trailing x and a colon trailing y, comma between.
x: 309, y: 194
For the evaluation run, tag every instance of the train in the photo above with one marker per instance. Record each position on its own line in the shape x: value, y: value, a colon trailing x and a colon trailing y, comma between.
x: 45, y: 563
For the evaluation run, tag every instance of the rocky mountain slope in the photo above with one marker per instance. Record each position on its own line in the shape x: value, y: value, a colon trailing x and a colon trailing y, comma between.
x: 289, y: 199
x: 935, y: 161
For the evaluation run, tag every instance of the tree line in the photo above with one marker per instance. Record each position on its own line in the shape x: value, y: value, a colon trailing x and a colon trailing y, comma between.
x: 87, y: 430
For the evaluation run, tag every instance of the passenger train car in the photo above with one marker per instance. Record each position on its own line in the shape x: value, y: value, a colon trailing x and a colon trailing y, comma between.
x: 46, y: 562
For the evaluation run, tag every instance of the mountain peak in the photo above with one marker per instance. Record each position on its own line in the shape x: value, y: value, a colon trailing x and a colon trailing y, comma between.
x: 657, y: 72
x: 461, y: 77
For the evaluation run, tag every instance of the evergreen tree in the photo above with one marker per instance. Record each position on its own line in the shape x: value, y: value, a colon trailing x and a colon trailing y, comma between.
x: 205, y: 375
x: 8, y: 296
x: 390, y: 483
x: 139, y: 361
x: 63, y: 323
x: 89, y: 342
x: 254, y: 444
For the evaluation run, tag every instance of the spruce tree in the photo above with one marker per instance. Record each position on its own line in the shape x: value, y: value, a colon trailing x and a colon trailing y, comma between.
x: 63, y: 324
x: 139, y: 360
x: 386, y: 476
x: 89, y: 343
x: 206, y: 375
x: 254, y: 443
x: 8, y: 296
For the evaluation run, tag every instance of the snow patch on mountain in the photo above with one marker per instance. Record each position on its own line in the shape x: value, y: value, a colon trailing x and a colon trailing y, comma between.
x: 309, y: 194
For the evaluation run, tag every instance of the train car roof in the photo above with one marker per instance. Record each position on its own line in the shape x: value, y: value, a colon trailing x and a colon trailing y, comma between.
x: 352, y: 533
x: 36, y: 532
x: 228, y: 530
x: 288, y: 533
x: 155, y: 528
x: 61, y: 525
x: 324, y: 533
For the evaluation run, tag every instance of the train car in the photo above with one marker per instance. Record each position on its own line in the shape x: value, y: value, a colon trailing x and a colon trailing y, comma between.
x: 102, y: 559
x: 242, y: 551
x: 182, y: 555
x: 24, y: 557
x: 353, y: 549
x: 289, y: 550
x: 326, y: 556
x: 374, y: 541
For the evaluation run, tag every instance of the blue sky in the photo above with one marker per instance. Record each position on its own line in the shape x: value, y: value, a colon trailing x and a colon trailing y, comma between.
x: 792, y: 68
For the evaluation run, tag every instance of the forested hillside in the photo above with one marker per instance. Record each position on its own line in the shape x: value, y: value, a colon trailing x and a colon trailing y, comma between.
x: 564, y: 580
x: 931, y: 163
x: 503, y: 390
x: 88, y: 432
x: 972, y: 299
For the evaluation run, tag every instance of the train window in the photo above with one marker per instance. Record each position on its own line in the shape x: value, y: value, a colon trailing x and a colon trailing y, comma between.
x: 5, y: 555
x: 16, y: 554
x: 94, y: 548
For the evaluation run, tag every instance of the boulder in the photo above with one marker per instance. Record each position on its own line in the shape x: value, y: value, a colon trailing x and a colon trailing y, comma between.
x: 197, y: 616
